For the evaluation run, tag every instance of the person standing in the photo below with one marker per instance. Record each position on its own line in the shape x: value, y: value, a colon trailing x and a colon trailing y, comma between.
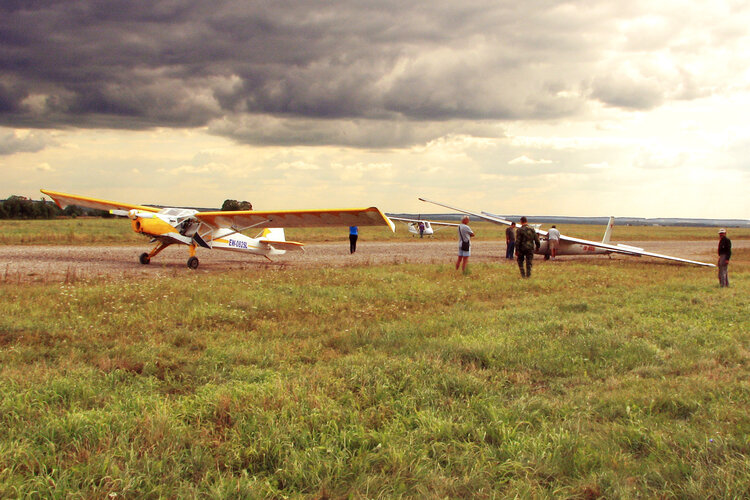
x: 553, y: 241
x: 725, y: 253
x: 510, y: 240
x: 421, y: 229
x: 464, y: 243
x: 526, y: 240
x: 353, y: 235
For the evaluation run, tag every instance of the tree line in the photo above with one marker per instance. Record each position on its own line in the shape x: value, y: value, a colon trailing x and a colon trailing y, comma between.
x: 20, y: 207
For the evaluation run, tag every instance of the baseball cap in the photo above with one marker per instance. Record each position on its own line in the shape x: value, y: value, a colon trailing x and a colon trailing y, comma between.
x: 722, y: 231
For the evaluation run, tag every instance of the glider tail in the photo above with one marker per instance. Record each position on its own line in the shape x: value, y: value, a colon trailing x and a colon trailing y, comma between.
x: 608, y: 232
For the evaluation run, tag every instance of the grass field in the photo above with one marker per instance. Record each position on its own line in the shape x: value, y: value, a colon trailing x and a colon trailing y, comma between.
x: 95, y: 231
x: 593, y: 379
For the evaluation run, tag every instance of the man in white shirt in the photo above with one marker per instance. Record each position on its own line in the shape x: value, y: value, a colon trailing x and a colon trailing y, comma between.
x: 464, y: 243
x: 553, y: 240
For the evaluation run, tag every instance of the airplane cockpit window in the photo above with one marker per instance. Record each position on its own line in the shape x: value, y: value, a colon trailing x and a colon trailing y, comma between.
x: 177, y: 212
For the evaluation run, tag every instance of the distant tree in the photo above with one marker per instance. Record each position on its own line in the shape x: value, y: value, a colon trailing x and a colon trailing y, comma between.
x: 73, y: 211
x: 229, y: 205
x: 233, y: 205
x: 50, y: 209
x: 17, y: 207
x: 100, y: 213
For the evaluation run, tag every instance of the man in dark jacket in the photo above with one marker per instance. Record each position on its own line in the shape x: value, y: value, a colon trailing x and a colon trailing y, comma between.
x: 725, y: 253
x: 526, y: 241
x: 510, y: 240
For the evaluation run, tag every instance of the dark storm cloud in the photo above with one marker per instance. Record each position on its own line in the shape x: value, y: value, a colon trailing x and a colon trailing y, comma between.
x: 326, y: 72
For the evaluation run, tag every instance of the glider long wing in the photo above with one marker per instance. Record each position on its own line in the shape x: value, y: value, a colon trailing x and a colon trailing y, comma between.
x: 64, y: 199
x: 633, y: 251
x: 297, y: 218
x: 483, y: 215
x: 621, y: 249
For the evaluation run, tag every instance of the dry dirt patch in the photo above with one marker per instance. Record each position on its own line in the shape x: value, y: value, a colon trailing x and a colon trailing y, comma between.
x: 69, y: 263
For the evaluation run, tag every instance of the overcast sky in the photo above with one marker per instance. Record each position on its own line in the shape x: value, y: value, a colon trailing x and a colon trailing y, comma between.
x: 635, y: 108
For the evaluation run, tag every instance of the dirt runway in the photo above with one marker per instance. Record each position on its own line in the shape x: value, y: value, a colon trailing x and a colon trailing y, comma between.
x: 70, y: 263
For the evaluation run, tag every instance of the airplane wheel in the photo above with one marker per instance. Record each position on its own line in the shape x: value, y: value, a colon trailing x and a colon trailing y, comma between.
x: 546, y: 256
x: 144, y: 258
x: 192, y: 263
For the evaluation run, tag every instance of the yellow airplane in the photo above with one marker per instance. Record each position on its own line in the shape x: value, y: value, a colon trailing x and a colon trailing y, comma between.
x: 223, y: 230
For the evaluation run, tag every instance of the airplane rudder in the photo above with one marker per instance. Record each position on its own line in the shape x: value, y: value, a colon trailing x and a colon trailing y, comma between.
x: 608, y: 231
x: 276, y: 234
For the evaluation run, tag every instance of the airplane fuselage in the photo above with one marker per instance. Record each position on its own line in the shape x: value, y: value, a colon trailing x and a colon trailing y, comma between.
x: 414, y: 229
x: 570, y: 248
x: 177, y: 225
x: 226, y: 239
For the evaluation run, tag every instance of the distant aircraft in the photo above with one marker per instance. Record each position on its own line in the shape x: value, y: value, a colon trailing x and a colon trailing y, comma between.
x: 413, y: 225
x: 577, y: 246
x: 223, y: 230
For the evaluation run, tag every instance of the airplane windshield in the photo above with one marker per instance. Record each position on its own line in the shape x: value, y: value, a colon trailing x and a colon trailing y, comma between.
x: 177, y: 212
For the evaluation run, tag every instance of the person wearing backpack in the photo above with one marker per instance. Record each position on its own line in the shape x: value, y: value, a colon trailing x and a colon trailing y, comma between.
x: 526, y: 240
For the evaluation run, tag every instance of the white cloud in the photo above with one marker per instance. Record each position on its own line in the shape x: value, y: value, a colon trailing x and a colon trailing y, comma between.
x: 207, y: 168
x: 525, y: 160
x: 297, y: 165
x: 603, y: 165
x: 44, y: 167
x: 370, y: 102
x: 24, y: 141
x: 660, y: 159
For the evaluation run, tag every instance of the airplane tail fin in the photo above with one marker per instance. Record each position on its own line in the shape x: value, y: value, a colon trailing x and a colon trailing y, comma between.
x: 273, y: 234
x: 608, y: 232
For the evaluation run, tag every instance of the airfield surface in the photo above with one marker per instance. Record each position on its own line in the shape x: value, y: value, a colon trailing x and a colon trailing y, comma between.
x: 20, y: 263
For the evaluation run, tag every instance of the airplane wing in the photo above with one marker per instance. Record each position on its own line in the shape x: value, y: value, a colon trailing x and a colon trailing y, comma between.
x: 632, y: 251
x: 535, y: 226
x: 620, y: 248
x: 297, y: 218
x: 432, y: 222
x: 64, y: 199
x: 483, y: 215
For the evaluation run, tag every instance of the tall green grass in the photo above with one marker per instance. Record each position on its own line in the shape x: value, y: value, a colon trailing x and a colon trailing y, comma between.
x: 592, y: 379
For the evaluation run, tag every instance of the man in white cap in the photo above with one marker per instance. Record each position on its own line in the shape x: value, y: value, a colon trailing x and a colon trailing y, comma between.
x: 725, y: 253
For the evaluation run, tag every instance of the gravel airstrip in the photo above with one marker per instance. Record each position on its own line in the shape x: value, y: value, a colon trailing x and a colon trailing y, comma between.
x: 24, y: 264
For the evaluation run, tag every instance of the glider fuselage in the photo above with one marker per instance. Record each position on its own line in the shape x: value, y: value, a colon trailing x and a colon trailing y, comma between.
x: 568, y: 248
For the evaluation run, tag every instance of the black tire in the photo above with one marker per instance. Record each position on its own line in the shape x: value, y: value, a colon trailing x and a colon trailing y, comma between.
x: 193, y: 262
x: 144, y: 258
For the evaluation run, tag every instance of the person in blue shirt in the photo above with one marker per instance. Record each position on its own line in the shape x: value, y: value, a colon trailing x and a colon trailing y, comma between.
x: 353, y: 234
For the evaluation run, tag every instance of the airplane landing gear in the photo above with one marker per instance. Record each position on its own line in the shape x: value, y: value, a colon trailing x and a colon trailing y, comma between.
x: 145, y: 258
x: 193, y: 262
